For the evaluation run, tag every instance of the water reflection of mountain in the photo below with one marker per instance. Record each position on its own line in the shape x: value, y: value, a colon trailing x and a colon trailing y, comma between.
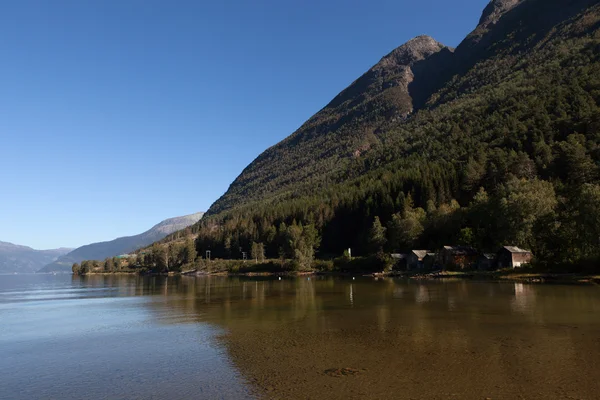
x: 421, y: 339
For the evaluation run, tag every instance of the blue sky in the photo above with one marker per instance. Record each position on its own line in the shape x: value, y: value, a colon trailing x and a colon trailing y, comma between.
x: 117, y: 114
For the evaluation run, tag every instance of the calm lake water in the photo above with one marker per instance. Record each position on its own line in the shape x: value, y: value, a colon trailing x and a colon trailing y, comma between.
x: 128, y: 337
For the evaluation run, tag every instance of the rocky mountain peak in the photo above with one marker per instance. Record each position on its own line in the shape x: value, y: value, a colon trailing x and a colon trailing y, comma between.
x: 494, y: 11
x: 414, y: 50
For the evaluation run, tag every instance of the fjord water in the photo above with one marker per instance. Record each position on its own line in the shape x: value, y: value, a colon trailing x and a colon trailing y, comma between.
x: 131, y: 337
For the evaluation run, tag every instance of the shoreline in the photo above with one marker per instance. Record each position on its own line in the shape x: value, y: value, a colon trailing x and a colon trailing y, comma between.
x: 494, y: 276
x: 510, y: 276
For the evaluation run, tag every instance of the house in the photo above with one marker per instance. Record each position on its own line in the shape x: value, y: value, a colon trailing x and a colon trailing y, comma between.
x: 414, y: 260
x: 513, y: 257
x: 430, y: 261
x: 486, y: 262
x: 461, y: 257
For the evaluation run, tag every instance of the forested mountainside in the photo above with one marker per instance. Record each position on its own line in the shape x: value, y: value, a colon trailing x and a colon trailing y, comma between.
x: 495, y: 142
x: 347, y: 138
x: 122, y: 245
x: 22, y: 259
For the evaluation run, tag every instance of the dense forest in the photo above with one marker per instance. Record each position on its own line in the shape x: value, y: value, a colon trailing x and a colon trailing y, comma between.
x: 498, y: 146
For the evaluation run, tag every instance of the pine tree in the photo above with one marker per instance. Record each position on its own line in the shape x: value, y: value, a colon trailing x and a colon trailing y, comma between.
x: 377, y: 237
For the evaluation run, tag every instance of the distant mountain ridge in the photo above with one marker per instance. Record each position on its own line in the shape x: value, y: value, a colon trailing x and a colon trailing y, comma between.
x: 123, y: 245
x: 24, y: 259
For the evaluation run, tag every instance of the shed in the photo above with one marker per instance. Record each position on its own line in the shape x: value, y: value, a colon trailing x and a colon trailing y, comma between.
x: 461, y: 257
x: 513, y: 257
x: 430, y: 261
x: 414, y: 260
x: 486, y: 262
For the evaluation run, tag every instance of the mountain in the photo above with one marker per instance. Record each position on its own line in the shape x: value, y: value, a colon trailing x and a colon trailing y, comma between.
x: 495, y: 142
x: 23, y: 259
x: 328, y: 147
x: 345, y: 129
x: 123, y: 245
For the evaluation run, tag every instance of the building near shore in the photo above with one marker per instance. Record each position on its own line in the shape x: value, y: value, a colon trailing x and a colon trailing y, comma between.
x: 458, y: 257
x: 486, y: 262
x: 430, y: 261
x: 414, y: 260
x: 513, y: 257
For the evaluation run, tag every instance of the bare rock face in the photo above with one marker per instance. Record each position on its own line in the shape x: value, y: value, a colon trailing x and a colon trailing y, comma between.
x: 494, y: 10
x: 414, y: 50
x: 491, y: 15
x: 348, y: 126
x: 390, y: 77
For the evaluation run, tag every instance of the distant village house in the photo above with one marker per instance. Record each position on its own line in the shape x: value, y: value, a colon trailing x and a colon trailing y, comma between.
x: 513, y: 257
x: 414, y: 260
x: 486, y: 262
x: 461, y: 257
x: 430, y: 261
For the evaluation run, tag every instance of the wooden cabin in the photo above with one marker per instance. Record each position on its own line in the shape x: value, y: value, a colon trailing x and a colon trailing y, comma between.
x: 458, y: 257
x: 414, y: 260
x: 513, y: 257
x: 430, y: 261
x: 486, y: 262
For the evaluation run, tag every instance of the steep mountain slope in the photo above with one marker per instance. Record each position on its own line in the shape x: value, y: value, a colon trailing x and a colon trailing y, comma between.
x: 344, y: 129
x: 494, y: 142
x: 123, y: 245
x: 23, y: 259
x: 421, y: 74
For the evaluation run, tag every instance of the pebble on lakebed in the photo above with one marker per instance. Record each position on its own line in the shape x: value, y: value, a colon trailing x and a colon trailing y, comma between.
x: 339, y: 372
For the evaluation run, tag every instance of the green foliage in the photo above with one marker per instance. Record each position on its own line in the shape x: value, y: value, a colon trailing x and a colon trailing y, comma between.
x: 375, y: 263
x: 188, y: 252
x: 377, y: 236
x: 466, y: 237
x: 109, y: 265
x: 258, y: 252
x: 324, y: 266
x: 160, y: 257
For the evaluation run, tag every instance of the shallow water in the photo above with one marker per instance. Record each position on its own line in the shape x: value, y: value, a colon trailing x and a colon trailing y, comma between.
x: 128, y: 337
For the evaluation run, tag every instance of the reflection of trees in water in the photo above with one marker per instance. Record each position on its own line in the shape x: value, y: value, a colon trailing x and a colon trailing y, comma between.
x: 298, y: 298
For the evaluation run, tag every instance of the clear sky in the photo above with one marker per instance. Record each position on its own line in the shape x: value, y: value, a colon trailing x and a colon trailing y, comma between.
x: 117, y: 114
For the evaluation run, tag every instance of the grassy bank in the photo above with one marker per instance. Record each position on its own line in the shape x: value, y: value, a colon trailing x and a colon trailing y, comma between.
x: 377, y: 265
